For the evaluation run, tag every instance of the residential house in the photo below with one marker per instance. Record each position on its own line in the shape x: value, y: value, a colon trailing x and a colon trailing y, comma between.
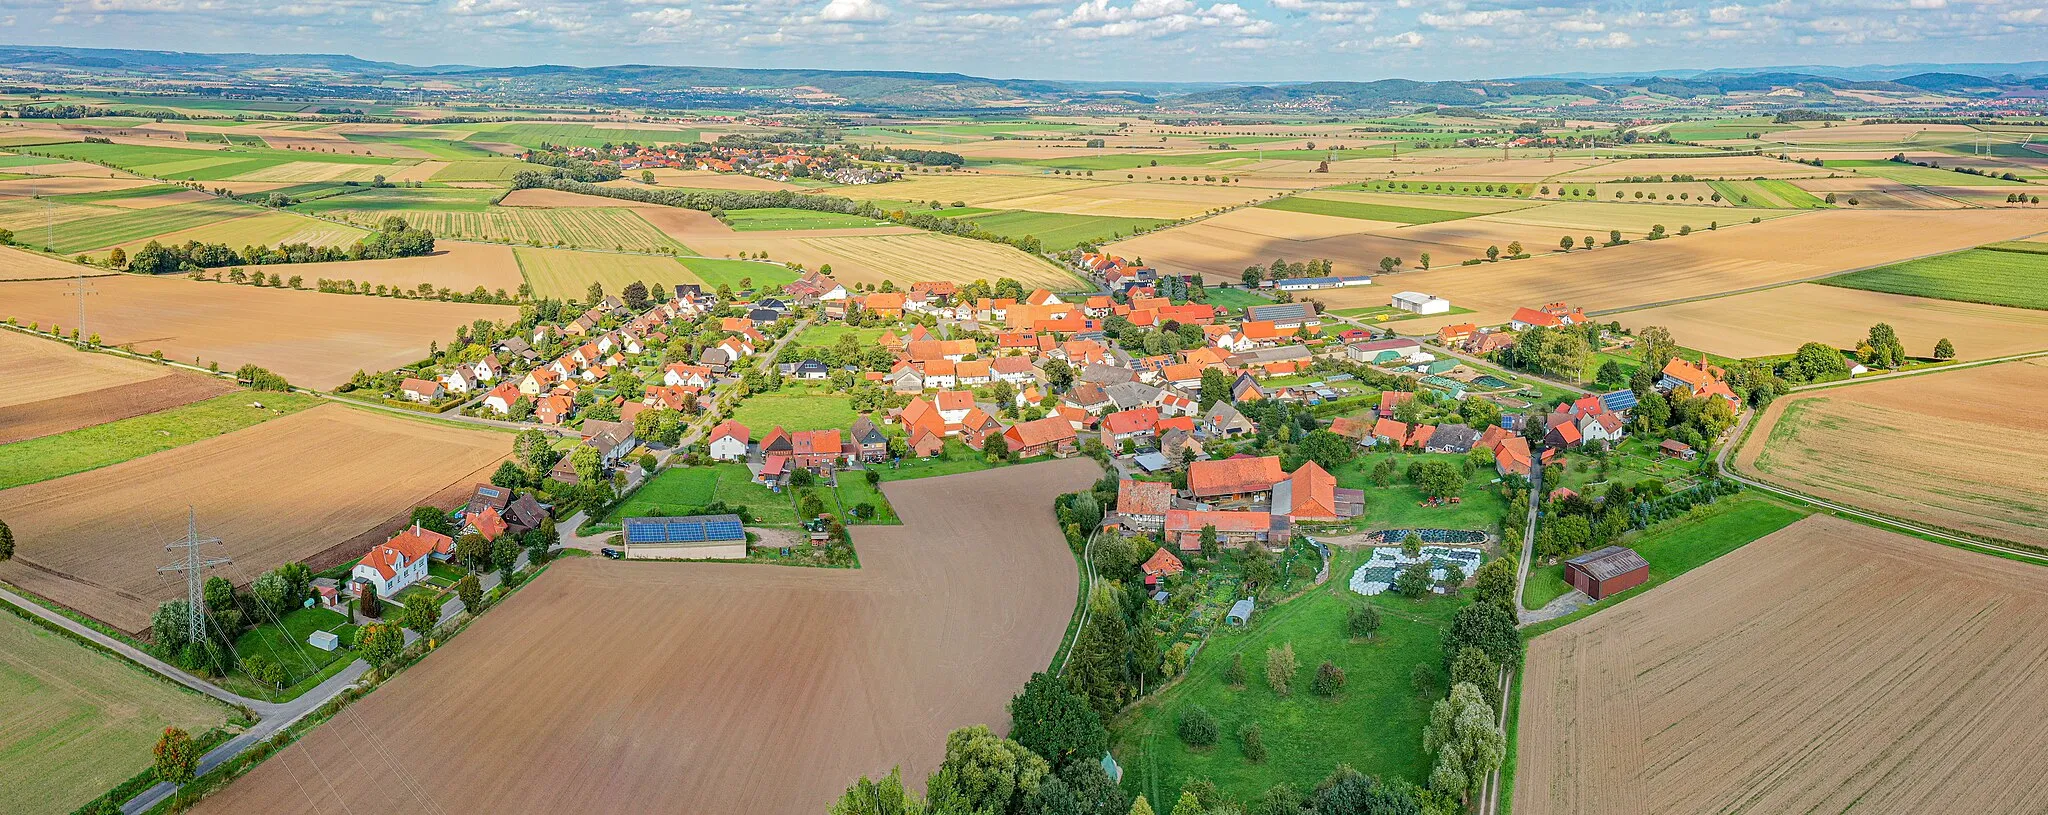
x: 1390, y: 433
x: 502, y: 397
x: 1310, y: 493
x: 1451, y: 438
x: 688, y: 376
x: 1141, y: 506
x: 1137, y: 425
x: 613, y: 440
x: 393, y: 565
x: 1161, y: 566
x: 1223, y: 420
x: 1551, y: 315
x: 729, y: 441
x: 553, y: 409
x: 1237, y: 480
x: 422, y: 390
x: 1052, y: 434
x: 867, y: 441
x: 459, y: 380
x: 1390, y: 401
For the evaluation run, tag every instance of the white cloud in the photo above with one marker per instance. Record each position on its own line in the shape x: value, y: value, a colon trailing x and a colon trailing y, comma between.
x: 1405, y: 39
x: 853, y: 11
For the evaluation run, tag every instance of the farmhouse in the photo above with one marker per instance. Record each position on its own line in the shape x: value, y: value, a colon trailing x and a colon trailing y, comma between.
x: 1052, y: 434
x: 1233, y: 528
x: 729, y: 441
x: 1142, y: 505
x: 720, y: 537
x: 1234, y: 480
x: 402, y: 561
x: 1608, y: 571
x: 1553, y: 315
x: 1311, y: 494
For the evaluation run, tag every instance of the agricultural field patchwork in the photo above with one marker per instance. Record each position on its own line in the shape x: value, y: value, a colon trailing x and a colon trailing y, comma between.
x: 584, y: 228
x: 1935, y: 449
x: 567, y: 274
x: 1058, y: 231
x: 122, y: 226
x: 1651, y: 706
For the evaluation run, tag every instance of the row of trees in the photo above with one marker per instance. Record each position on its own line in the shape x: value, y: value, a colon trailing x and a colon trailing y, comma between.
x: 394, y: 238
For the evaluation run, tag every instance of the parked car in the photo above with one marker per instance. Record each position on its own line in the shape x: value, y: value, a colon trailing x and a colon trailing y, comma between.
x: 614, y: 554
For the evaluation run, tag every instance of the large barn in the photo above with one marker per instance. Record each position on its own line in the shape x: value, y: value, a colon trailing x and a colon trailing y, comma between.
x: 694, y: 537
x: 1604, y: 572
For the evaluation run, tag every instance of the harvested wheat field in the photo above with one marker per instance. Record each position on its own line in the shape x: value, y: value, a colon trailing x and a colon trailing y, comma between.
x: 1745, y: 256
x: 73, y: 389
x: 696, y: 687
x: 1944, y: 448
x: 707, y: 180
x: 1154, y: 200
x: 1779, y: 320
x: 1827, y: 667
x: 312, y: 339
x: 16, y: 264
x: 1890, y: 134
x: 1879, y: 193
x: 285, y: 490
x: 26, y: 187
x: 1731, y: 167
x: 457, y: 265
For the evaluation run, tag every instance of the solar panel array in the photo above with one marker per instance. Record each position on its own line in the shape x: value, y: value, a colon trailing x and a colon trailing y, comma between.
x: 695, y: 529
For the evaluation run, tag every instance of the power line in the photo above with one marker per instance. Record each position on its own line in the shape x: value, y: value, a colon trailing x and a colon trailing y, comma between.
x: 194, y: 565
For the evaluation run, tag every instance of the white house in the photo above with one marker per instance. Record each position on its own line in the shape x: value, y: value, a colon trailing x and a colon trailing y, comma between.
x: 459, y: 380
x: 1420, y: 303
x: 687, y: 376
x: 502, y: 397
x: 421, y: 390
x: 729, y: 441
x: 402, y: 561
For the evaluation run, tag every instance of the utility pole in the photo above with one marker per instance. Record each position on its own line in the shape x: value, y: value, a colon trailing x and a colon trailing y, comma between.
x: 194, y: 564
x: 81, y: 292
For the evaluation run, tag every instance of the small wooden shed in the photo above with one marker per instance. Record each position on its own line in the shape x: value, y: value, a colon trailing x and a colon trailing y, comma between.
x: 1607, y: 571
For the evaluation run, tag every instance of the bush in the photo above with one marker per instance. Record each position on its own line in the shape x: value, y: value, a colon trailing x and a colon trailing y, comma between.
x: 1254, y: 744
x: 1329, y: 679
x: 1234, y: 675
x: 1197, y: 727
x: 1362, y: 621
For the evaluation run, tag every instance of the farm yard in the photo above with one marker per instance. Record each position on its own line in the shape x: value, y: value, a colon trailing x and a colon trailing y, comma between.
x: 76, y: 722
x: 1779, y: 320
x: 312, y: 339
x: 1938, y: 449
x: 75, y: 389
x: 288, y: 489
x: 866, y: 668
x: 1649, y: 706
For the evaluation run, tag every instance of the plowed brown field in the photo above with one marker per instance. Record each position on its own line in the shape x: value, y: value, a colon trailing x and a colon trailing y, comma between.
x: 713, y: 687
x: 313, y: 339
x: 1948, y: 449
x: 73, y: 390
x: 284, y: 490
x: 1778, y: 321
x: 1828, y: 667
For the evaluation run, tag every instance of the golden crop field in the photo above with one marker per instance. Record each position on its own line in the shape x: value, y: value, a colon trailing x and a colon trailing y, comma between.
x: 268, y: 229
x: 457, y: 265
x: 1826, y: 667
x: 1779, y: 320
x: 567, y: 274
x: 574, y: 227
x: 1938, y: 448
x: 904, y: 256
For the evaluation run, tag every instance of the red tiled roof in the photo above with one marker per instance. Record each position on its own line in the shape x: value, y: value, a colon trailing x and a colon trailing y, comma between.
x: 1188, y: 520
x: 1039, y: 432
x: 1234, y: 475
x: 1131, y: 421
x: 730, y: 428
x: 1143, y: 497
x: 1390, y: 429
x: 1162, y: 564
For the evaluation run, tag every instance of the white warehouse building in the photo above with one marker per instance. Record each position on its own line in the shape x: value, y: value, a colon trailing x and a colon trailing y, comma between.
x: 1420, y: 303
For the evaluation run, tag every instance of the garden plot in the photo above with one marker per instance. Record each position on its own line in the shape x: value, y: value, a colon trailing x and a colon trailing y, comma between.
x: 1377, y: 573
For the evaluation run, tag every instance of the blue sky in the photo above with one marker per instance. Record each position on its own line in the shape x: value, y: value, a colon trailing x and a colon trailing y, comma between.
x: 1245, y: 40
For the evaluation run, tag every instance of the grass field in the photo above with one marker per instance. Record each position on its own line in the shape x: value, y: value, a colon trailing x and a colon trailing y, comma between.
x: 426, y: 199
x: 796, y: 407
x: 122, y: 226
x: 1681, y: 545
x: 738, y: 274
x: 1236, y: 298
x: 532, y: 134
x: 566, y: 273
x: 1993, y: 276
x: 187, y: 164
x: 1374, y: 724
x: 438, y: 148
x: 1399, y: 506
x: 75, y: 722
x: 1920, y: 176
x: 481, y: 170
x: 87, y: 448
x: 287, y: 645
x: 682, y: 490
x: 117, y: 195
x: 1363, y: 211
x: 1059, y: 231
x: 262, y: 229
x: 781, y: 218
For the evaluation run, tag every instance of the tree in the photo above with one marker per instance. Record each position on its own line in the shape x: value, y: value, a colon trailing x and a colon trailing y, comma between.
x: 1187, y: 805
x: 1425, y: 261
x: 1384, y: 471
x: 1215, y: 387
x: 6, y: 543
x: 1492, y: 253
x: 1943, y: 349
x: 432, y: 520
x: 1882, y: 348
x: 1234, y: 674
x: 1565, y: 243
x: 635, y: 295
x: 1197, y: 727
x: 1514, y: 249
x: 1490, y: 627
x: 470, y: 592
x: 272, y: 594
x: 595, y: 293
x: 510, y: 476
x: 1211, y: 547
x: 1816, y: 362
x: 1328, y: 680
x: 884, y: 797
x: 379, y: 643
x: 1280, y: 668
x: 1475, y: 667
x: 177, y: 756
x: 473, y: 551
x: 1411, y: 546
x: 987, y: 772
x: 1413, y: 581
x: 1467, y: 744
x: 265, y: 671
x: 1140, y: 807
x: 1050, y: 719
x: 423, y: 613
x: 997, y: 448
x: 1495, y: 582
x: 1361, y: 621
x: 1657, y: 346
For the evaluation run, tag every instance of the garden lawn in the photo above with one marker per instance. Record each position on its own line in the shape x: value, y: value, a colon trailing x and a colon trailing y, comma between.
x: 1364, y: 211
x: 1994, y: 276
x: 1633, y: 461
x: 1236, y: 298
x: 1374, y: 724
x: 1681, y: 545
x: 287, y: 644
x: 683, y: 490
x: 1398, y: 506
x: 853, y: 490
x: 89, y: 448
x: 779, y: 218
x: 957, y: 458
x: 796, y: 408
x: 824, y: 335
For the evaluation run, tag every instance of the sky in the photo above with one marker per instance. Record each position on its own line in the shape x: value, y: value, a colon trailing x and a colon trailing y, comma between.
x: 1174, y: 40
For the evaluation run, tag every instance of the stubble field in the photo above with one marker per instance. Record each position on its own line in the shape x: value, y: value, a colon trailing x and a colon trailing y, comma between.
x: 458, y: 265
x: 1779, y: 320
x: 285, y: 490
x: 698, y: 687
x: 1948, y: 449
x: 76, y: 722
x: 312, y: 339
x: 73, y: 390
x: 1828, y: 667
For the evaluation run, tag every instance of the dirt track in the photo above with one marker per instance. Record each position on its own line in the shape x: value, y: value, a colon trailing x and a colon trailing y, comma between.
x: 281, y: 491
x: 713, y: 687
x: 1828, y: 667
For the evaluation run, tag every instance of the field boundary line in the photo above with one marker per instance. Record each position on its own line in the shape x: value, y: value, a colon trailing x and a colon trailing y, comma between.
x: 1960, y: 366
